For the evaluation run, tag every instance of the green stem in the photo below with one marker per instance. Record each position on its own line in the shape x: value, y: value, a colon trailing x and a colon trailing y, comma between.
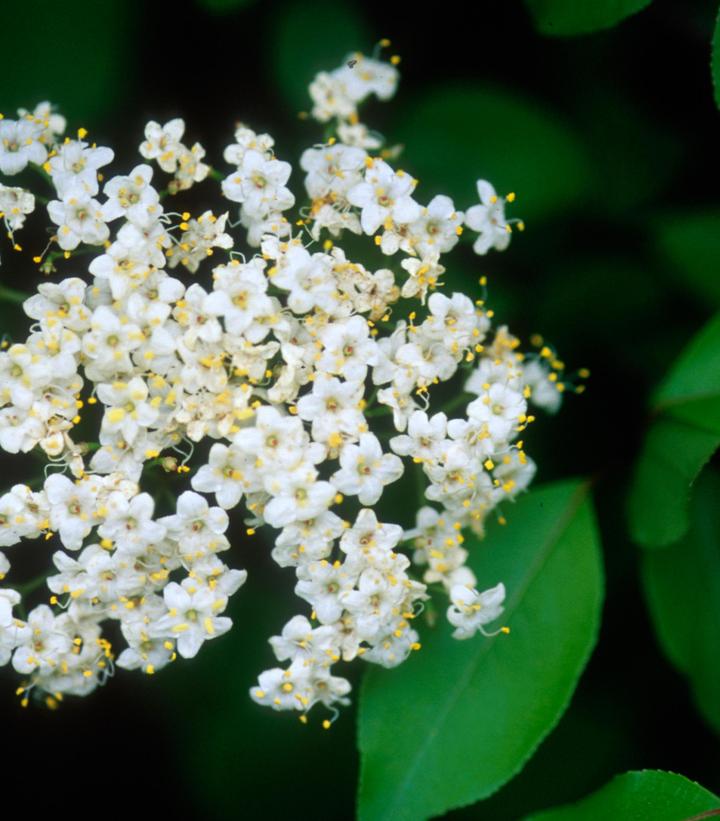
x: 420, y: 484
x: 13, y: 296
x: 381, y: 410
x: 32, y: 585
x: 456, y: 402
x: 38, y: 169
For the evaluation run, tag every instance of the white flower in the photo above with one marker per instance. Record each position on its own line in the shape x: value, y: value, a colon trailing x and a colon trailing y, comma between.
x: 333, y: 407
x: 196, y: 526
x: 129, y: 524
x: 358, y: 135
x: 192, y: 616
x: 488, y: 220
x: 402, y: 404
x: 79, y: 219
x: 162, y: 143
x: 308, y: 278
x: 384, y: 198
x: 109, y: 343
x: 42, y: 645
x: 365, y: 470
x: 15, y: 205
x: 74, y: 168
x: 500, y: 409
x: 259, y: 183
x: 371, y: 539
x: 144, y: 651
x: 438, y: 228
x: 300, y: 641
x: 322, y: 583
x: 22, y: 375
x: 332, y: 168
x: 266, y: 386
x: 347, y: 349
x: 72, y: 509
x: 454, y: 320
x: 330, y: 98
x: 470, y: 610
x: 367, y: 76
x: 199, y: 238
x: 224, y: 475
x: 372, y: 605
x: 297, y: 496
x: 239, y: 296
x: 132, y: 197
x: 19, y: 145
x: 395, y: 646
x: 544, y: 393
x: 13, y: 631
x: 128, y: 410
x: 306, y: 541
x: 190, y: 168
x: 425, y: 438
x: 12, y: 518
x: 43, y: 114
x: 63, y: 301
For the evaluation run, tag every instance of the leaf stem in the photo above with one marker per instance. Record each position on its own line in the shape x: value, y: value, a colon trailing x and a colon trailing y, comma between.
x: 32, y: 585
x: 12, y: 295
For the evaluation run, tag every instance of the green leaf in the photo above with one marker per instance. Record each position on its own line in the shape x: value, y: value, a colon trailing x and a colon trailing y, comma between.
x: 682, y: 584
x: 648, y: 795
x: 683, y: 436
x: 715, y: 61
x: 569, y: 17
x: 457, y: 134
x: 313, y: 39
x: 691, y: 243
x: 78, y: 60
x: 460, y: 718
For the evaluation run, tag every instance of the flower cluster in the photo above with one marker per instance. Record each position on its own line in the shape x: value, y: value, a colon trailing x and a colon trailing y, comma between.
x: 313, y: 376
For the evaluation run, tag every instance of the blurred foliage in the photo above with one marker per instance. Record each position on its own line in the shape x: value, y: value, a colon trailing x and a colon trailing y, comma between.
x: 690, y: 242
x: 682, y: 438
x: 682, y: 583
x: 715, y: 63
x: 641, y: 796
x: 569, y: 17
x: 224, y: 6
x: 80, y: 58
x: 610, y: 144
x: 330, y: 31
x: 456, y: 134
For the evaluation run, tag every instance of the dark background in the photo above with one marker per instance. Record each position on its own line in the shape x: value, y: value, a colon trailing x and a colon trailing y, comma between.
x: 631, y: 116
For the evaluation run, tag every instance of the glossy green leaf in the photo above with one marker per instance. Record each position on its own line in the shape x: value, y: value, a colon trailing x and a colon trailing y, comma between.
x: 648, y: 795
x: 77, y: 59
x: 460, y: 718
x: 682, y: 585
x: 683, y: 436
x: 569, y: 17
x: 457, y: 134
x: 691, y: 244
x: 309, y: 39
x: 715, y: 61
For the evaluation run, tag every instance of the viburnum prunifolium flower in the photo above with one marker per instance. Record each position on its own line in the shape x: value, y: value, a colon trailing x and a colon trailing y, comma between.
x: 313, y: 373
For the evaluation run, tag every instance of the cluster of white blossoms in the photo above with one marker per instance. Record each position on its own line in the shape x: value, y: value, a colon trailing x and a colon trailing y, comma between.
x: 313, y: 376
